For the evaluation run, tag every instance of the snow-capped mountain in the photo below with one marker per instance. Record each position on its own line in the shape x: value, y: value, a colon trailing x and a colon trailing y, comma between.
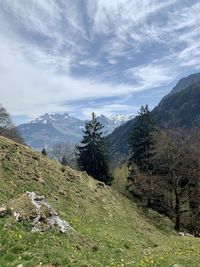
x: 121, y: 118
x: 48, y: 129
x: 51, y: 118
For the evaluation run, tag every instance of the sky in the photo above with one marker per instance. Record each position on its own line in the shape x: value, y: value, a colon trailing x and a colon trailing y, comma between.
x: 106, y: 56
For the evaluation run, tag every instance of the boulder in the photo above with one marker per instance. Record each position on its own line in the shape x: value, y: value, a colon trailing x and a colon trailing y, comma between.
x: 36, y: 209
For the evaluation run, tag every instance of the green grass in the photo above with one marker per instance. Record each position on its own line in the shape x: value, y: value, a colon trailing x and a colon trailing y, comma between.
x: 120, y: 174
x: 110, y: 229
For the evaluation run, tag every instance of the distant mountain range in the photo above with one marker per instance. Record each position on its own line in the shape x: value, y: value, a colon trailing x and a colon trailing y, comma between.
x: 49, y: 129
x: 180, y: 108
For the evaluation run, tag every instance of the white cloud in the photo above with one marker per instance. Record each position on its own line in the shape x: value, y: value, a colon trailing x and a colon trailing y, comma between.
x: 109, y: 110
x: 151, y: 76
x: 126, y: 23
x: 89, y: 63
x: 42, y: 42
x: 33, y: 90
x: 121, y: 15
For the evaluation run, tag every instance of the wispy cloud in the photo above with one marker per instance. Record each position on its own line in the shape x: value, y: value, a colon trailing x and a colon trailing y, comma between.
x: 151, y: 76
x: 62, y: 51
x: 31, y: 87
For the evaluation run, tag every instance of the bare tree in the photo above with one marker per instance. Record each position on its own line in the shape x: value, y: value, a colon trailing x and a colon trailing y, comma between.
x: 7, y: 129
x: 65, y: 154
x: 5, y: 120
x: 175, y: 161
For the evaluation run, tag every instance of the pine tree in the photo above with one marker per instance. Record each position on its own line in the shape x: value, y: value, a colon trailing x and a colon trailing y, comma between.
x: 92, y: 156
x: 141, y: 140
x: 44, y: 152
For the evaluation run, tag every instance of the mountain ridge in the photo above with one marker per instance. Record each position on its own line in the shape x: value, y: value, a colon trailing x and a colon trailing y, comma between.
x: 186, y: 82
x: 49, y: 129
x: 180, y: 109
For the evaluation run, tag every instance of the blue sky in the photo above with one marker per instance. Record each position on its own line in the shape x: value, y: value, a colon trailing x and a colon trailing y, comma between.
x: 107, y: 56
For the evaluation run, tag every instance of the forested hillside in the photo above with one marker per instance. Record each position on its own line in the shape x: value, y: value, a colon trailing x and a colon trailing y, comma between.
x: 181, y: 108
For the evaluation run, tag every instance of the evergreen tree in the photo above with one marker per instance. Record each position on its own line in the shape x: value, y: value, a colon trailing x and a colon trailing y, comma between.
x: 44, y: 152
x: 141, y: 140
x: 91, y: 156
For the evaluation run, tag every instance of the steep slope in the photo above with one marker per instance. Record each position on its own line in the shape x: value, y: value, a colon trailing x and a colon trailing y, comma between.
x: 49, y: 129
x: 186, y: 82
x: 110, y: 230
x: 117, y: 142
x: 180, y: 109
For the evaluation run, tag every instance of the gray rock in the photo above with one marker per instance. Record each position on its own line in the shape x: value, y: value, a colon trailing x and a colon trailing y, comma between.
x: 52, y: 220
x: 55, y: 220
x: 39, y: 212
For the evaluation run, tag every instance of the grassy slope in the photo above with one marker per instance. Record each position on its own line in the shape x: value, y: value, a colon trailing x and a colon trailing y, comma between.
x: 110, y: 231
x: 120, y: 174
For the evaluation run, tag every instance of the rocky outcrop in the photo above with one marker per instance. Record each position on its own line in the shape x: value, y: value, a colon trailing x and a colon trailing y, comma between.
x: 37, y: 210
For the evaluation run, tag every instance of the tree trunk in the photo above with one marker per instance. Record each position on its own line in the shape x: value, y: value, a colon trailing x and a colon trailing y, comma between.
x: 149, y: 200
x: 177, y: 212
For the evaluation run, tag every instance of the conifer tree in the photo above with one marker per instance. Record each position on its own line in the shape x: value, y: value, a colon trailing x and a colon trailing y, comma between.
x: 141, y: 140
x: 91, y: 153
x: 44, y: 152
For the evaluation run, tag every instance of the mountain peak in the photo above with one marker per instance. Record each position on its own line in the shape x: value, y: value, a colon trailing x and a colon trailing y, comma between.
x: 122, y: 118
x: 48, y: 129
x: 41, y: 119
x: 186, y: 82
x: 48, y: 117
